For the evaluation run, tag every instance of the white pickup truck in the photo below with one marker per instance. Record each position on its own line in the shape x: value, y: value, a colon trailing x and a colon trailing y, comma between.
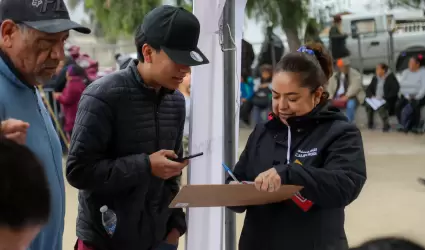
x: 408, y: 38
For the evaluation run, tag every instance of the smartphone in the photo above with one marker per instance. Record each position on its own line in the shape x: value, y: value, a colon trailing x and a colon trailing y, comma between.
x: 189, y: 157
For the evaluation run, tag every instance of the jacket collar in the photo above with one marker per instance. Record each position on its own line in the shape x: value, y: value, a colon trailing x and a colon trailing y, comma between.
x: 132, y: 68
x: 304, y: 121
x: 11, y: 72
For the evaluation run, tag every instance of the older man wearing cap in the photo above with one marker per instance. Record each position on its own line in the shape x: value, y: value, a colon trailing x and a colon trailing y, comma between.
x: 127, y: 135
x: 346, y: 89
x: 32, y: 36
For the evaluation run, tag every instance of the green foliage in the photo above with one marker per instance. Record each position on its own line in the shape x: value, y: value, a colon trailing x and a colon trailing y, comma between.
x: 405, y: 3
x: 72, y: 4
x: 120, y: 17
x: 283, y: 13
x: 115, y: 18
x: 287, y: 14
x: 187, y: 4
x: 312, y: 31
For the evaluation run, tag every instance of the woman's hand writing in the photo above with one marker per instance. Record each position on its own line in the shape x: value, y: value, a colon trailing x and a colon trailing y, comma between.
x: 268, y: 181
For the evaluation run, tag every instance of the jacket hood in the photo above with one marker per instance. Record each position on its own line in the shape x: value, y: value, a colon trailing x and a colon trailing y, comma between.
x: 8, y: 70
x: 321, y: 113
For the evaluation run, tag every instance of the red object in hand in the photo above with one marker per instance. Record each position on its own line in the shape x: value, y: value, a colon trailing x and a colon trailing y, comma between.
x: 339, y: 103
x: 302, y: 202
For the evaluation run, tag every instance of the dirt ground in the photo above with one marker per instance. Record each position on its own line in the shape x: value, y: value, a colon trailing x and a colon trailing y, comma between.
x: 392, y: 201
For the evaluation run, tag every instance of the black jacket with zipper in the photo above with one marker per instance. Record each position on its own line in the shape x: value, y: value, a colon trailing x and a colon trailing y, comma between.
x: 120, y: 121
x: 326, y: 158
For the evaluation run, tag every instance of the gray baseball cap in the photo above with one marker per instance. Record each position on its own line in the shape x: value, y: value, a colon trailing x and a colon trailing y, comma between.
x: 49, y: 16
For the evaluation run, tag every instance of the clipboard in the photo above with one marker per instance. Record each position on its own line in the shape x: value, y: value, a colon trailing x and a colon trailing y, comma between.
x: 223, y: 195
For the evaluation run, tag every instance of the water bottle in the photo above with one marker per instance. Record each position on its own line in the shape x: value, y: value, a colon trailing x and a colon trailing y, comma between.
x: 109, y: 220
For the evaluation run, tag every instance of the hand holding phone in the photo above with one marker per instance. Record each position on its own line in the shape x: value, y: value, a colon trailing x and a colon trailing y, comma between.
x: 188, y: 157
x: 163, y: 166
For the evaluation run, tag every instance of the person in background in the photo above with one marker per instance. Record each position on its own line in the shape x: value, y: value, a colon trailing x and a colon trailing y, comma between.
x: 345, y: 89
x: 272, y: 49
x: 412, y: 92
x: 60, y: 75
x: 24, y: 198
x: 69, y: 98
x: 261, y: 100
x: 306, y: 143
x: 247, y: 92
x: 337, y: 40
x: 389, y: 243
x: 31, y: 47
x: 247, y: 57
x: 184, y: 88
x: 384, y: 86
x: 247, y: 87
x: 54, y: 87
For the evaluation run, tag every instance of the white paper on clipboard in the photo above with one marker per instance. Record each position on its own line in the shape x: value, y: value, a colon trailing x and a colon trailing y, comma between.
x: 375, y: 103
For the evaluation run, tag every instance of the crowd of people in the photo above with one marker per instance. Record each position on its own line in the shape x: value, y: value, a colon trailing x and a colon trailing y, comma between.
x: 385, y: 94
x: 129, y: 129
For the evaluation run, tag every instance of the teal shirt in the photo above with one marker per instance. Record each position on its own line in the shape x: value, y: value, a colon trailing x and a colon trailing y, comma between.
x: 18, y: 101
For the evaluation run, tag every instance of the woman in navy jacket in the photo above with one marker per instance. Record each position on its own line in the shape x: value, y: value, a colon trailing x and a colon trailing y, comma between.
x: 305, y: 143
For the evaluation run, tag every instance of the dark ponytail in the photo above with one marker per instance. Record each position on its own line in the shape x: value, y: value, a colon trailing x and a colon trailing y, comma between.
x: 313, y: 63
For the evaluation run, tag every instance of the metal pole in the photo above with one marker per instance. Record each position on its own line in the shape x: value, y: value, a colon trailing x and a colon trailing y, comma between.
x: 229, y: 111
x: 392, y: 63
x: 359, y: 46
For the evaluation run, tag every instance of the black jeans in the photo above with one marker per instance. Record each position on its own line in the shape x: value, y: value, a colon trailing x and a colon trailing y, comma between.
x: 416, y: 105
x: 383, y: 113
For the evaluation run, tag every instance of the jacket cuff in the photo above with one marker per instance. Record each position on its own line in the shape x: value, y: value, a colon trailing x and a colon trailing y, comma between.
x: 177, y: 220
x: 147, y: 162
x: 282, y: 170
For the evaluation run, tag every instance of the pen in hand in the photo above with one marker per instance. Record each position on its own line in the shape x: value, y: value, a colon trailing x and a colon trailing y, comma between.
x: 230, y: 172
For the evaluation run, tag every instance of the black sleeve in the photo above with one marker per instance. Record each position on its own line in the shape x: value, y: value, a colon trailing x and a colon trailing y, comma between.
x: 370, y: 90
x: 240, y: 168
x: 89, y: 166
x: 339, y: 181
x: 394, y: 86
x: 177, y: 219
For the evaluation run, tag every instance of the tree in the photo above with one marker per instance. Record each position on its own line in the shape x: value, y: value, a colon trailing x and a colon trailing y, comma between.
x: 116, y: 18
x: 405, y: 3
x: 312, y: 31
x: 287, y: 14
x: 187, y: 4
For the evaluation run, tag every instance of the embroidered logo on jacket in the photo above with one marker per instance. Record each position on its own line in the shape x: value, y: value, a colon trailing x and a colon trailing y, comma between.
x: 306, y: 153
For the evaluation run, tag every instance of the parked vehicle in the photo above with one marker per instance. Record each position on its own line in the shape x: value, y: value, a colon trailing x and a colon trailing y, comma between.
x: 383, y: 39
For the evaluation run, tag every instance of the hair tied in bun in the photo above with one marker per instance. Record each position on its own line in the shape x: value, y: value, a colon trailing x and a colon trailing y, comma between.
x: 304, y: 49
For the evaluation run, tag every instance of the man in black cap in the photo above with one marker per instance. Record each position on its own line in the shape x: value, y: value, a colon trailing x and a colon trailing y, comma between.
x: 127, y: 135
x: 32, y: 35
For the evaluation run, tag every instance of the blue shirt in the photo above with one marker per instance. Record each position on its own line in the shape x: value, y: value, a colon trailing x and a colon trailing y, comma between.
x: 19, y: 101
x: 247, y: 89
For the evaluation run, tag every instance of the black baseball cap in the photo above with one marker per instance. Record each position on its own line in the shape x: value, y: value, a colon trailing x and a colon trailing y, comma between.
x: 176, y: 31
x: 49, y: 16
